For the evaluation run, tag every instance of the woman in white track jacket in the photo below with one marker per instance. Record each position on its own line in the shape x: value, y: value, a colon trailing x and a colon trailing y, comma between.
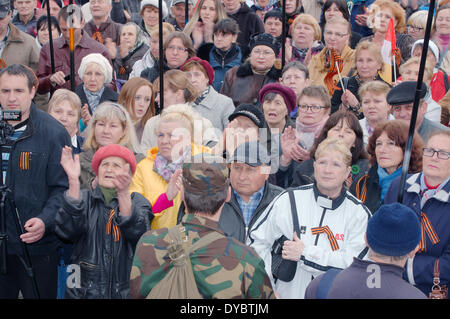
x: 332, y: 223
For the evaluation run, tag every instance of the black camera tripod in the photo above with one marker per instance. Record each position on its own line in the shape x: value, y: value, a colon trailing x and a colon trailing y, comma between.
x: 6, y: 196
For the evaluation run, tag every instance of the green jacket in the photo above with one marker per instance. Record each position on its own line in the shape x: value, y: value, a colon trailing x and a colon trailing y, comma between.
x: 224, y: 269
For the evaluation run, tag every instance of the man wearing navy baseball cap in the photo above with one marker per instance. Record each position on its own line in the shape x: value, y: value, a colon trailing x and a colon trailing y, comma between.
x: 393, y: 235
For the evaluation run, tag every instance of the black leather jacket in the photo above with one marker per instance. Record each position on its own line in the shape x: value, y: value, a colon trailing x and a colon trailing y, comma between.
x: 104, y: 264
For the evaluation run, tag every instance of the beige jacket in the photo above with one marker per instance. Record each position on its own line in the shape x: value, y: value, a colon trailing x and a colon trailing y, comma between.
x: 21, y: 48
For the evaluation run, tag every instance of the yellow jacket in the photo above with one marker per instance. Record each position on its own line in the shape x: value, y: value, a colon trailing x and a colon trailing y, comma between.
x: 151, y: 185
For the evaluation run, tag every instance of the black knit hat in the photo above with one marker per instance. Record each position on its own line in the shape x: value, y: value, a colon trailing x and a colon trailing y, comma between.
x: 250, y: 111
x: 267, y: 40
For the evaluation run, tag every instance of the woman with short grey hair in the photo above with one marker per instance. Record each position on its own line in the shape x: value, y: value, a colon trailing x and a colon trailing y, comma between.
x: 95, y: 71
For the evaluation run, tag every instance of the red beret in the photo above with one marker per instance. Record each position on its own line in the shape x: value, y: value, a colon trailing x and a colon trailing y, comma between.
x: 209, y: 70
x: 113, y: 150
x: 290, y: 99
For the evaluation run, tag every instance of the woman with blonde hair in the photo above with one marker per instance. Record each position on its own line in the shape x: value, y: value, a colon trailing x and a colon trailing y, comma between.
x: 381, y: 11
x: 306, y: 39
x: 138, y: 97
x: 416, y: 24
x: 65, y: 106
x: 201, y: 25
x: 177, y: 90
x: 158, y: 176
x: 369, y: 66
x: 331, y: 212
x: 110, y: 124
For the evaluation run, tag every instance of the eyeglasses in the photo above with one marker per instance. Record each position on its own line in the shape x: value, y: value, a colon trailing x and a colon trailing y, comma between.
x: 414, y: 28
x: 313, y: 108
x: 179, y: 49
x: 337, y: 34
x: 429, y: 152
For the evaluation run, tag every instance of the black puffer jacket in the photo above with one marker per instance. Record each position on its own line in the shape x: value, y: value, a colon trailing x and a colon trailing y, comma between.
x: 105, y: 264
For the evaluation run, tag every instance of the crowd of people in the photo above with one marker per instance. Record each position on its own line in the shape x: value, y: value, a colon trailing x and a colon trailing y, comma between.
x: 237, y: 149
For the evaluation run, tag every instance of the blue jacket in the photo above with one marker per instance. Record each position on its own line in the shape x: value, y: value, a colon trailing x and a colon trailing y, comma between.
x: 36, y: 179
x: 420, y: 271
x: 231, y: 59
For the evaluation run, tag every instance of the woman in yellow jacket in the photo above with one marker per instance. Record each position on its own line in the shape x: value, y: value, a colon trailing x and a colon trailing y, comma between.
x: 322, y: 68
x: 158, y: 176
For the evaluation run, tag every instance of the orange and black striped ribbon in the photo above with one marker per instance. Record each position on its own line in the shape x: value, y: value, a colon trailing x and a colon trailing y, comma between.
x: 2, y: 63
x: 326, y: 230
x: 122, y: 70
x: 110, y: 224
x: 24, y: 162
x: 427, y: 229
x: 97, y: 36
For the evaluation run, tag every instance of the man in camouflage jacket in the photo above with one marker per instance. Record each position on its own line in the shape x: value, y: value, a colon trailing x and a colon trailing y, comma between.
x: 226, y: 268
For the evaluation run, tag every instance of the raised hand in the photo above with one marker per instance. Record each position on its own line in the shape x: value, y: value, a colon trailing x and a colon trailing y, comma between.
x: 122, y: 180
x: 70, y: 164
x: 85, y: 114
x: 174, y: 185
x: 112, y: 47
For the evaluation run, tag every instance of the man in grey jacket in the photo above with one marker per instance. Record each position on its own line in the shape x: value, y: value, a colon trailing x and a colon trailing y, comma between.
x: 251, y: 193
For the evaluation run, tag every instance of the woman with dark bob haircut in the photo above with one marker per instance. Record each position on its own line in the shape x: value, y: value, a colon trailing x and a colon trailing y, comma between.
x: 342, y: 124
x: 332, y: 8
x: 386, y: 148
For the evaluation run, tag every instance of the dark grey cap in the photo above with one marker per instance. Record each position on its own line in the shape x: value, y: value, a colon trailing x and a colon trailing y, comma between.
x: 5, y: 8
x: 404, y: 93
x: 252, y: 153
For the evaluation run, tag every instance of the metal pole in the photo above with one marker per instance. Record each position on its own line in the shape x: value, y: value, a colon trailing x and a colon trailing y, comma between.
x: 283, y: 34
x: 186, y: 12
x: 50, y: 37
x: 412, y: 124
x: 161, y: 58
x: 72, y: 49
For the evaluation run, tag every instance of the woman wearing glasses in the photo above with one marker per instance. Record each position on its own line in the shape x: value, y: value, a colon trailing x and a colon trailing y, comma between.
x: 386, y: 148
x: 336, y: 59
x: 178, y: 49
x: 242, y: 83
x: 428, y: 194
x: 313, y: 112
x: 416, y: 24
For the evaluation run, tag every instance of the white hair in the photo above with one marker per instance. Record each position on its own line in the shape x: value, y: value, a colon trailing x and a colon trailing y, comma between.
x: 101, y: 61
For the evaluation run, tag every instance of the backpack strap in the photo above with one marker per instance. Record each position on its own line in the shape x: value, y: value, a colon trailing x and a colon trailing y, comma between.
x: 325, y: 283
x: 294, y: 212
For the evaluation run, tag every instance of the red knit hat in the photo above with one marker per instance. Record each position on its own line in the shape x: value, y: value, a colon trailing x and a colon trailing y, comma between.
x: 113, y: 150
x: 286, y: 93
x: 209, y: 70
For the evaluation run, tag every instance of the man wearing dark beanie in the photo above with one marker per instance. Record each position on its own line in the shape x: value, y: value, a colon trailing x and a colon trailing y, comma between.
x: 393, y: 235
